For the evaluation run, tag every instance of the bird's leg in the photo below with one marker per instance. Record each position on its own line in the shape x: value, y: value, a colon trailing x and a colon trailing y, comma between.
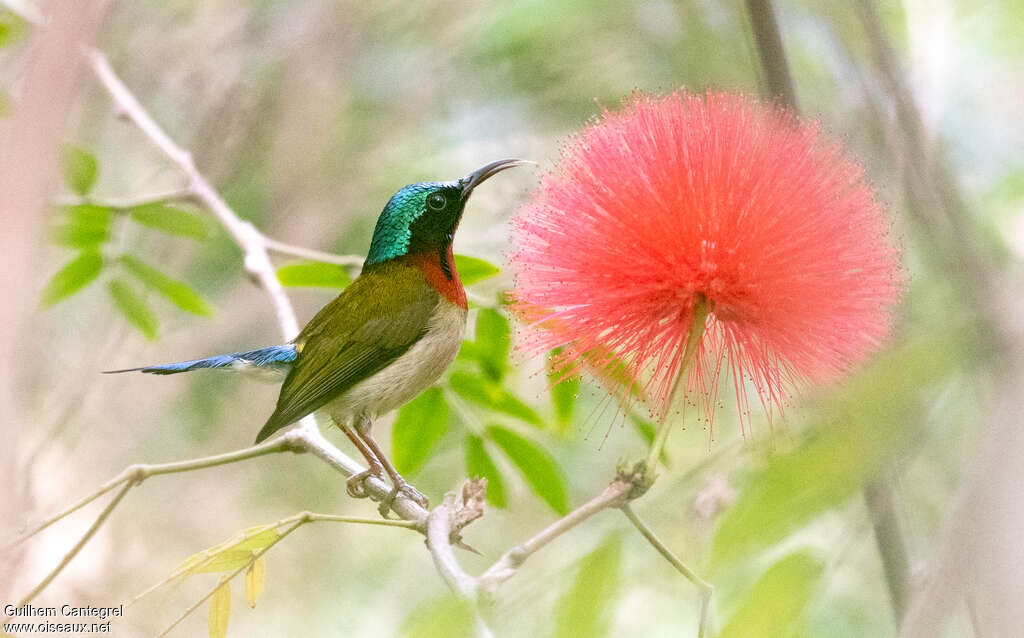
x: 354, y: 485
x: 398, y: 483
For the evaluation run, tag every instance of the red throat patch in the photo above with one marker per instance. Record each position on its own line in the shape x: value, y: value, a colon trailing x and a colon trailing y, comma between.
x: 430, y: 263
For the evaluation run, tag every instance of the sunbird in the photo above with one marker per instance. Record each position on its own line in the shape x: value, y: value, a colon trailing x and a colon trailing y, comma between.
x: 387, y: 337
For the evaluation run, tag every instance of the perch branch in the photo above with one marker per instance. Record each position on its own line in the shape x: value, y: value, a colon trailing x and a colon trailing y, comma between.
x: 439, y: 526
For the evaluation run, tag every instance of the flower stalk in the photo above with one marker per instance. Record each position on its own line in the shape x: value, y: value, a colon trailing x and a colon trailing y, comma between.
x: 701, y: 309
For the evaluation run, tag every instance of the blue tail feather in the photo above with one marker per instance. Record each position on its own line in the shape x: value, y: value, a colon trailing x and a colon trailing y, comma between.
x: 273, y: 358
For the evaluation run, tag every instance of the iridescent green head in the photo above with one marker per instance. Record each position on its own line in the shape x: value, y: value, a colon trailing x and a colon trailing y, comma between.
x: 425, y: 215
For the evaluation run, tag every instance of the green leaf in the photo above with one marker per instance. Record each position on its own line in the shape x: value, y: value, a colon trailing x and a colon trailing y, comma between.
x: 170, y: 219
x: 473, y: 269
x: 420, y: 425
x: 444, y: 617
x: 563, y: 396
x: 313, y: 274
x: 601, y: 361
x: 585, y: 608
x: 513, y: 406
x: 537, y: 466
x: 133, y: 308
x: 87, y: 226
x: 6, y: 106
x: 776, y: 603
x: 220, y: 611
x: 646, y: 429
x: 80, y: 237
x: 480, y: 463
x: 177, y: 292
x: 79, y: 168
x: 89, y: 215
x: 564, y: 389
x: 490, y: 395
x: 857, y: 429
x: 468, y: 352
x: 75, y: 275
x: 493, y: 341
x: 12, y: 27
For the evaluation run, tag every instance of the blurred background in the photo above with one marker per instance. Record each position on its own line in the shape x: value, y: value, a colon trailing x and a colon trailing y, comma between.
x: 307, y: 116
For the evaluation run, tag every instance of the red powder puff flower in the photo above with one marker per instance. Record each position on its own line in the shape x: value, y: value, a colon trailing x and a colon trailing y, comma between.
x: 684, y: 205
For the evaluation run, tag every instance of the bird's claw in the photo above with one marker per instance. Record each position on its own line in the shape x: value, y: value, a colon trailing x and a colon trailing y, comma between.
x: 406, y: 490
x: 356, y: 484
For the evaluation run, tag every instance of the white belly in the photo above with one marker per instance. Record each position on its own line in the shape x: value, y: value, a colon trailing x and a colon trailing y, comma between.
x: 408, y: 375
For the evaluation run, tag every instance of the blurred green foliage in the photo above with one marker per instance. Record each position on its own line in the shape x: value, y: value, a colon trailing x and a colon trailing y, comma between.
x: 313, y: 274
x: 442, y: 617
x: 586, y: 606
x: 171, y: 219
x: 854, y: 432
x: 777, y: 601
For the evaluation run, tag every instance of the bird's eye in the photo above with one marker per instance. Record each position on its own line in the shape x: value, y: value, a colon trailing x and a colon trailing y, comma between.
x: 436, y: 201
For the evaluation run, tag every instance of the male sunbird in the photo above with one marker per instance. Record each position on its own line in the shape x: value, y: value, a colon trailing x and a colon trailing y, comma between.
x: 387, y: 337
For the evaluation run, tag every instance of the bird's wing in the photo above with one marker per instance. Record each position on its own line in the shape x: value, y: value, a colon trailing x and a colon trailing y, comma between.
x: 352, y: 338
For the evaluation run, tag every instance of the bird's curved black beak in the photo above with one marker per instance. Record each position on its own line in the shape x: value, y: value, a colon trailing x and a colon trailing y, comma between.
x: 474, y: 179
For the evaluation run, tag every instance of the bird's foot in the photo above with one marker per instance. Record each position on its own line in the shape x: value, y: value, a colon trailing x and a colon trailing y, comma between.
x: 406, y: 490
x: 356, y: 484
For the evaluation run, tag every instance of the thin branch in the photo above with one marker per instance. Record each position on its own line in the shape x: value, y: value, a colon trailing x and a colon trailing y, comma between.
x: 313, y: 517
x: 705, y: 588
x: 892, y: 549
x: 349, y: 261
x: 297, y: 521
x: 440, y: 523
x: 74, y: 550
x: 251, y: 241
x: 136, y: 474
x: 301, y: 439
x: 188, y: 612
x: 304, y: 517
x: 444, y: 528
x: 933, y: 199
x: 126, y: 203
x: 615, y: 495
x: 298, y: 440
x: 778, y: 81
